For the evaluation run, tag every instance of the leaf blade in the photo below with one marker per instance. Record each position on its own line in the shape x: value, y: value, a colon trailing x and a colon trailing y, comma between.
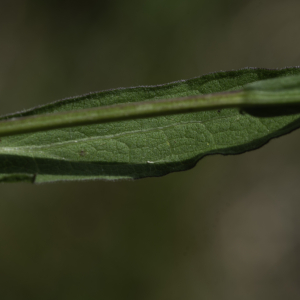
x: 141, y: 148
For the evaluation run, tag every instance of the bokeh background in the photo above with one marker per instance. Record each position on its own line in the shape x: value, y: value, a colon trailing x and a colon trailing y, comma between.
x: 227, y: 229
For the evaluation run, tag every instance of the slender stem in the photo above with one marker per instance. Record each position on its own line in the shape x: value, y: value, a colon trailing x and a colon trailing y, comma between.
x: 281, y: 92
x: 120, y: 112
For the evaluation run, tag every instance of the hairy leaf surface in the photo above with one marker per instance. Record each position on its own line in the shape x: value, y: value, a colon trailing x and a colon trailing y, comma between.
x: 142, y: 147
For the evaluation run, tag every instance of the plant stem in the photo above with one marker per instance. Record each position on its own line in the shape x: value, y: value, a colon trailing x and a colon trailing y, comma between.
x: 120, y: 112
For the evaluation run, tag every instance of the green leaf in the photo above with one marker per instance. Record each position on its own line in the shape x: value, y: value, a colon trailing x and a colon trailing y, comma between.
x: 152, y: 146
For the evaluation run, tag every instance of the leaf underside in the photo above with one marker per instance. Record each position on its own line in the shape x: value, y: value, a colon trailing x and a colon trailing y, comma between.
x: 144, y: 147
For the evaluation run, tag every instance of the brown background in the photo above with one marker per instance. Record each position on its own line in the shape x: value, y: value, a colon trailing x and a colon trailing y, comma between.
x: 227, y: 229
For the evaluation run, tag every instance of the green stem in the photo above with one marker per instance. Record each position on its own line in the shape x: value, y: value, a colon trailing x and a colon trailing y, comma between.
x: 282, y: 92
x: 120, y: 112
x: 146, y: 109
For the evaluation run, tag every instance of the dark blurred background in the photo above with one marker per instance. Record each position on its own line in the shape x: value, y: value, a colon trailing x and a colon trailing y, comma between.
x: 227, y: 229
